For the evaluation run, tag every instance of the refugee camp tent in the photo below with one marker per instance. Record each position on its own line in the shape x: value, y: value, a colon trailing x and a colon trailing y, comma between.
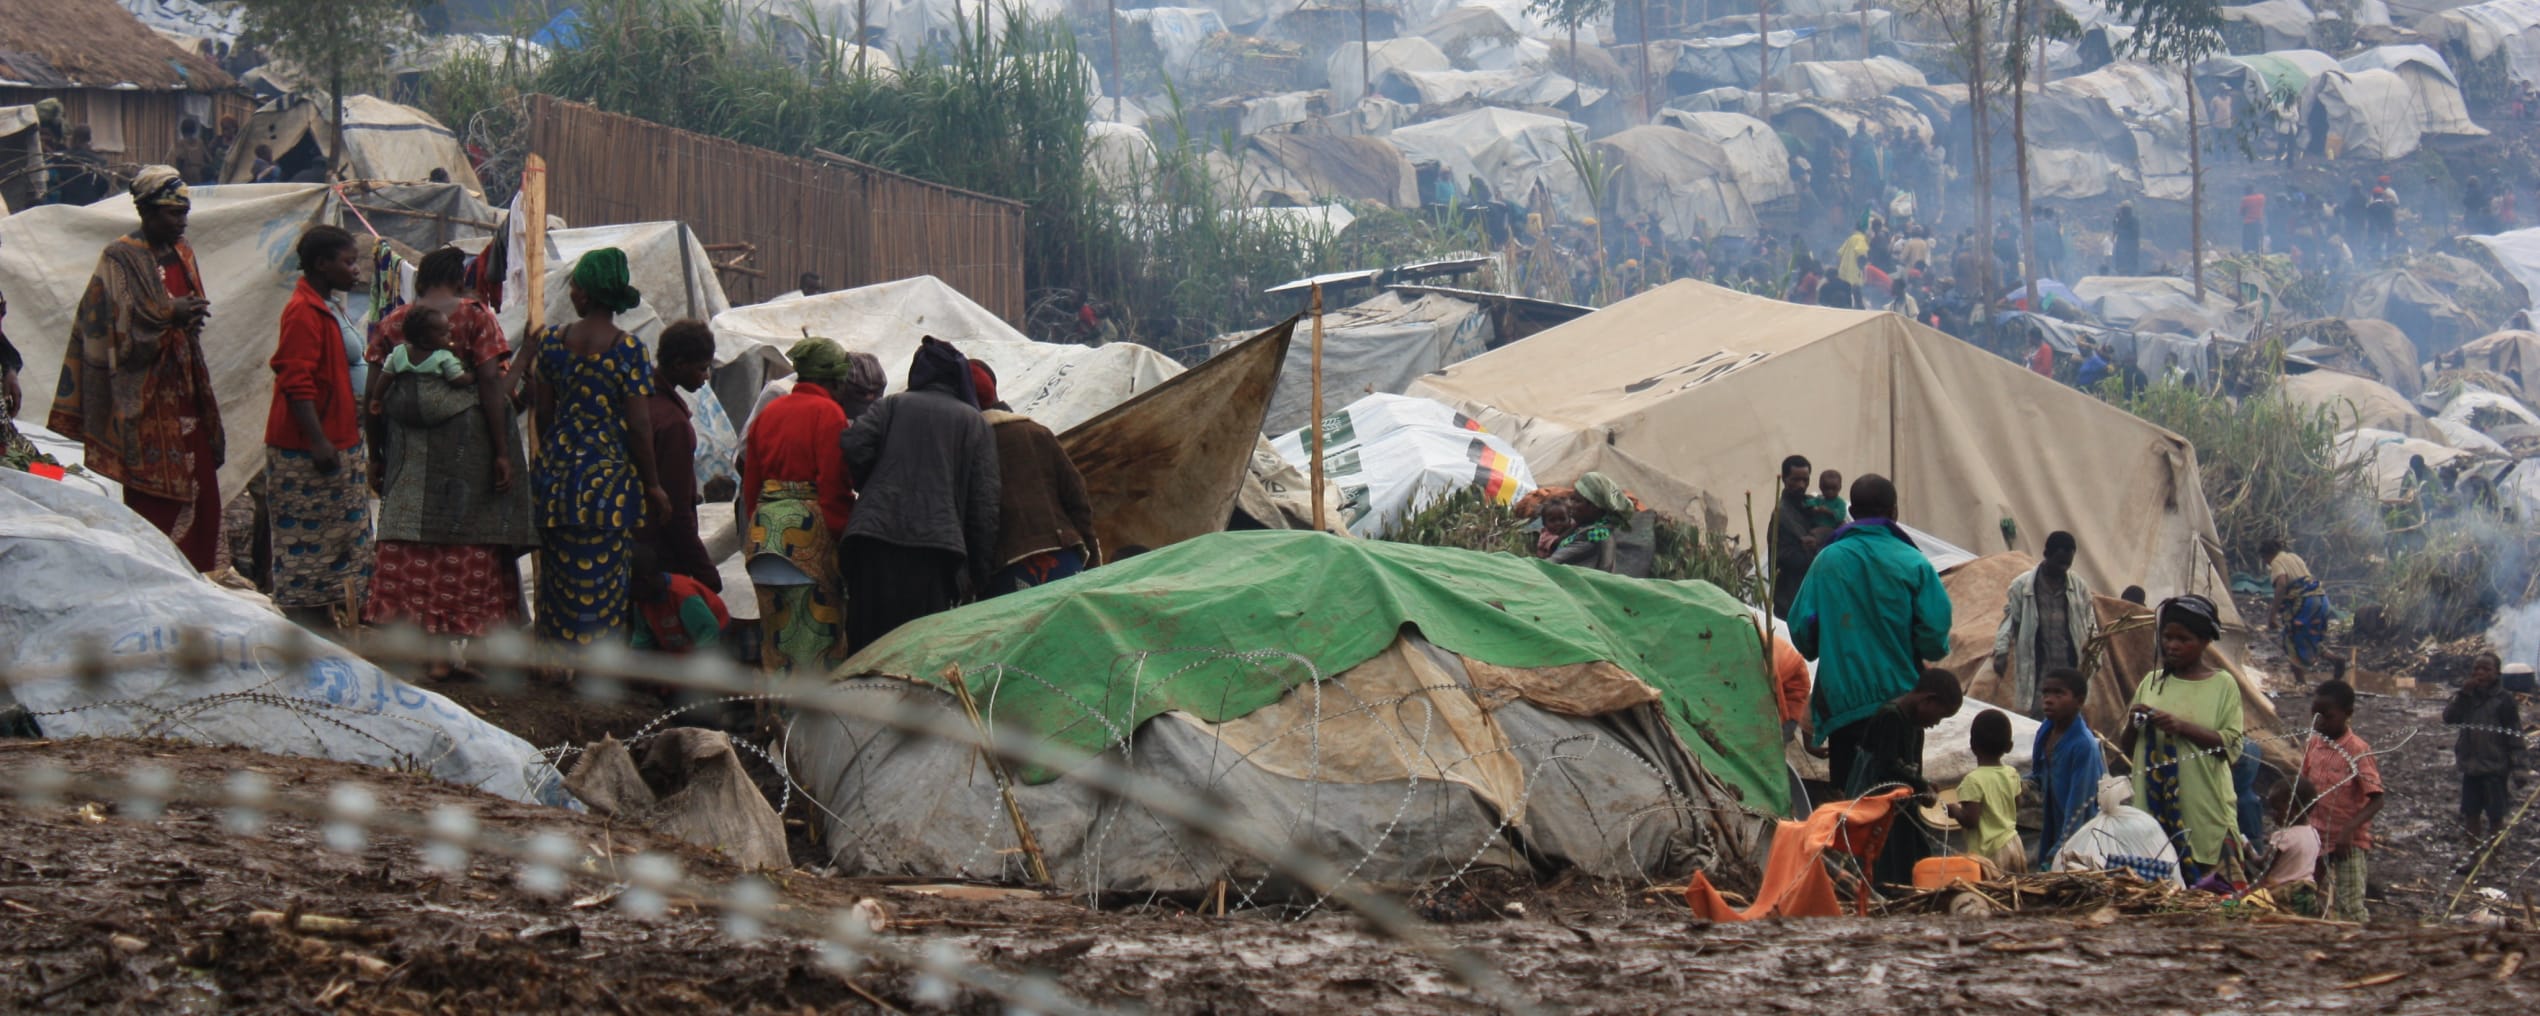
x: 1382, y: 57
x: 2267, y: 79
x: 1690, y: 395
x: 1853, y: 80
x: 1407, y: 711
x: 1058, y: 384
x: 2512, y: 355
x: 2151, y: 302
x: 1514, y: 87
x: 2403, y: 298
x: 2364, y: 346
x: 1480, y: 37
x: 2370, y: 114
x: 2359, y: 402
x: 2122, y: 127
x: 1680, y: 178
x: 2507, y: 31
x: 1177, y: 33
x: 1393, y: 455
x: 1755, y: 154
x: 2470, y: 414
x: 1509, y: 150
x: 1319, y: 167
x: 382, y: 141
x: 2273, y: 25
x: 1120, y: 157
x: 2430, y: 81
x: 664, y: 261
x: 2517, y: 255
x: 2386, y: 454
x: 1378, y: 346
x: 85, y: 571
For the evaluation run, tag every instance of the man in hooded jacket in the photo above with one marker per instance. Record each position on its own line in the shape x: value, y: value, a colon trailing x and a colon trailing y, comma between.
x: 925, y: 466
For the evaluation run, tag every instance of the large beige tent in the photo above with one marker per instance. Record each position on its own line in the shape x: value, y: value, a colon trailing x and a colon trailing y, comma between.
x: 1680, y: 178
x: 383, y: 141
x: 1691, y: 394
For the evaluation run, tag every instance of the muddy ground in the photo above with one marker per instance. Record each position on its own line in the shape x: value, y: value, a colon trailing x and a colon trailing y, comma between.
x: 105, y: 913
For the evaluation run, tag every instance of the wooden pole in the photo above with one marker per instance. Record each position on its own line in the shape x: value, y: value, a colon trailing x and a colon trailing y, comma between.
x: 1036, y: 863
x: 532, y: 223
x: 1317, y: 426
x: 1115, y: 59
x: 1366, y: 81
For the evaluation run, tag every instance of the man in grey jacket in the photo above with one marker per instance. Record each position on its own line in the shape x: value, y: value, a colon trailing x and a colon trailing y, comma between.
x: 2047, y: 622
x: 925, y: 525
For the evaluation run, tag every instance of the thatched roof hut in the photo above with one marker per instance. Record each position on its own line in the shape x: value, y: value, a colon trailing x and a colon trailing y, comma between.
x: 129, y: 84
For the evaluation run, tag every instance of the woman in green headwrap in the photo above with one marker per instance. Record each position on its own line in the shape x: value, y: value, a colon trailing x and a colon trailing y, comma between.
x: 594, y: 478
x: 1605, y: 534
x: 795, y: 499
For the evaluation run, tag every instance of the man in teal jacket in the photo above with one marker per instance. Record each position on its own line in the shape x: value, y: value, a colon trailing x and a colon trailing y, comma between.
x: 1870, y: 610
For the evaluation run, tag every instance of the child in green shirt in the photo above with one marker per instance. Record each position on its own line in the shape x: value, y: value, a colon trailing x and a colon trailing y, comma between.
x: 1827, y: 510
x: 1989, y: 798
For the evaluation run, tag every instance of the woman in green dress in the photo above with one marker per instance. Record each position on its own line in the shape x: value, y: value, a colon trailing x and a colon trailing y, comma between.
x: 2183, y: 735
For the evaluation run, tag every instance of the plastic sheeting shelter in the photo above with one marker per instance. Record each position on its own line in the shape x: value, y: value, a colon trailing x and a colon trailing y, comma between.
x: 1407, y: 711
x: 1690, y: 395
x: 1376, y: 347
x: 2510, y: 28
x: 2276, y: 24
x: 1514, y: 87
x: 1307, y: 169
x: 664, y: 261
x: 1059, y: 385
x: 61, y: 545
x: 2430, y: 80
x: 382, y: 141
x: 2359, y: 402
x: 2386, y: 453
x: 2121, y: 127
x: 2370, y: 114
x: 2518, y: 253
x: 1392, y: 455
x: 1511, y: 151
x: 1684, y: 180
x: 2271, y: 79
x: 1409, y: 53
x: 1755, y: 154
x: 2512, y: 355
x: 1853, y: 80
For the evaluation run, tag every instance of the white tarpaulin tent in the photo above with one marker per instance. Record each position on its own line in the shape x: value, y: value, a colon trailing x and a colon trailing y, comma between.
x: 382, y: 141
x: 2436, y: 89
x: 1682, y: 179
x: 664, y: 261
x: 61, y: 546
x: 1690, y: 394
x: 1392, y: 455
x: 2122, y: 126
x: 1059, y: 385
x: 1854, y: 80
x: 242, y: 238
x: 2386, y: 453
x: 2511, y: 27
x: 1120, y: 157
x: 1410, y: 53
x: 1376, y: 347
x: 1179, y: 32
x: 2518, y: 253
x: 1756, y: 155
x: 1515, y: 87
x: 1511, y: 151
x: 2371, y: 114
x: 2282, y: 24
x: 2359, y: 402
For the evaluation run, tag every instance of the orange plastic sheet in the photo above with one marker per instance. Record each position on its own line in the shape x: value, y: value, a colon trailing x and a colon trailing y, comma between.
x: 1796, y: 882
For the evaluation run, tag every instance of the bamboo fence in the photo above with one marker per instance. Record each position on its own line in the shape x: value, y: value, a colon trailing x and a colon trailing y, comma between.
x: 850, y: 223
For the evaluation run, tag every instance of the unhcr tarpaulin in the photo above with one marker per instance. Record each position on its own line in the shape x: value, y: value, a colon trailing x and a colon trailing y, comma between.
x: 2513, y: 355
x: 1375, y: 347
x: 2371, y: 114
x: 1509, y: 150
x: 1690, y: 395
x: 1392, y: 455
x: 1058, y: 384
x: 2121, y: 127
x: 2278, y: 24
x: 1514, y: 87
x: 1374, y: 700
x: 382, y: 141
x: 1680, y: 178
x: 2385, y: 455
x: 242, y: 238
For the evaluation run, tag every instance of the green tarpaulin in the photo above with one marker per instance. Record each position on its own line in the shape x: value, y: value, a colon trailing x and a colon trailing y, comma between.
x: 1208, y: 626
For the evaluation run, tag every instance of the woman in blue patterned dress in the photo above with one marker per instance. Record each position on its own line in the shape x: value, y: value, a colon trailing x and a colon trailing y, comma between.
x: 594, y: 479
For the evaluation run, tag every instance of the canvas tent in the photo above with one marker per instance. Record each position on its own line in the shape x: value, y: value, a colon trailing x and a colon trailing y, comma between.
x: 2369, y: 114
x: 382, y: 141
x: 2121, y: 127
x: 2512, y: 355
x: 2403, y: 297
x: 2386, y: 454
x: 1409, y: 53
x: 1682, y: 179
x: 1308, y: 169
x: 2364, y: 346
x: 2359, y: 402
x: 1404, y: 710
x: 1378, y: 346
x: 2517, y: 253
x: 2431, y: 83
x: 1853, y: 80
x: 2273, y: 24
x: 1755, y: 154
x: 2505, y: 30
x: 1690, y: 395
x: 1509, y: 150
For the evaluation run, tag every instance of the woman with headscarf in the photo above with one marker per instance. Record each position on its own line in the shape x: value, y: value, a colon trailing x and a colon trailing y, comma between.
x: 317, y: 478
x: 453, y: 514
x: 796, y: 499
x: 135, y: 391
x: 594, y: 480
x: 1606, y: 532
x: 2183, y: 734
x: 1045, y: 523
x: 925, y: 465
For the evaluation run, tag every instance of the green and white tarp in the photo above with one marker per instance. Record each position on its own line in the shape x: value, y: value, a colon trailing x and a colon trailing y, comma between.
x: 1407, y: 710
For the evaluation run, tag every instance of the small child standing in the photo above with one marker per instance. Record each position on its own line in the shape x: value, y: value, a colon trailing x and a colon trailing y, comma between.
x: 1827, y: 510
x: 2484, y: 750
x: 1891, y: 753
x: 679, y: 613
x: 1989, y: 798
x: 2342, y: 782
x: 2066, y: 761
x: 426, y: 349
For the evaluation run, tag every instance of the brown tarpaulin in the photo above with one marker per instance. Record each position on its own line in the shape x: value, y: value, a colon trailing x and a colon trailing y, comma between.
x: 1166, y: 466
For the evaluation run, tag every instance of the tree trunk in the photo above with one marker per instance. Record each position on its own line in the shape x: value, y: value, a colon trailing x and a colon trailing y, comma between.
x: 1980, y: 141
x: 335, y: 98
x: 1648, y: 104
x: 1366, y: 54
x: 1865, y: 29
x: 864, y: 26
x: 1764, y: 64
x: 2195, y: 188
x: 1116, y: 83
x: 2019, y: 150
x: 1573, y: 55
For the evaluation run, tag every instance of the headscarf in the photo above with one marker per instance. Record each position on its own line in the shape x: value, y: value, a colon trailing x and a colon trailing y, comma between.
x: 863, y: 384
x: 2193, y: 612
x: 49, y: 111
x: 160, y: 186
x: 939, y: 366
x: 984, y: 382
x: 1597, y: 489
x: 602, y: 276
x: 818, y: 359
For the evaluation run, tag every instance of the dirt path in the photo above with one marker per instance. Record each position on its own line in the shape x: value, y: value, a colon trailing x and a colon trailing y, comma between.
x: 109, y: 914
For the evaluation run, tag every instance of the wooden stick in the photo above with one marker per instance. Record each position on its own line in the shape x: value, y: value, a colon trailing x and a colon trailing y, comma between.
x: 1316, y: 427
x: 1005, y: 784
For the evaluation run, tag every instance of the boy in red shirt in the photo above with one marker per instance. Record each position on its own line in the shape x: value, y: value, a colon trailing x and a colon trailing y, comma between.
x: 679, y: 613
x: 2342, y: 782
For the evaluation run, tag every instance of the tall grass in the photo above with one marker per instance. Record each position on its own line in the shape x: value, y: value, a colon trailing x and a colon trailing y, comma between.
x: 1470, y: 520
x: 999, y: 107
x: 2270, y: 469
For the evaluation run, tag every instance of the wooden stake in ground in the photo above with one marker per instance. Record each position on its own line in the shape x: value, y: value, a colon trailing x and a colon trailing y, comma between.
x: 532, y: 224
x: 1316, y: 429
x: 1005, y: 784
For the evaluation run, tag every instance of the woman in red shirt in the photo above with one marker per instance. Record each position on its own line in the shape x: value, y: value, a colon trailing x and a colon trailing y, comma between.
x: 796, y: 498
x: 317, y: 479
